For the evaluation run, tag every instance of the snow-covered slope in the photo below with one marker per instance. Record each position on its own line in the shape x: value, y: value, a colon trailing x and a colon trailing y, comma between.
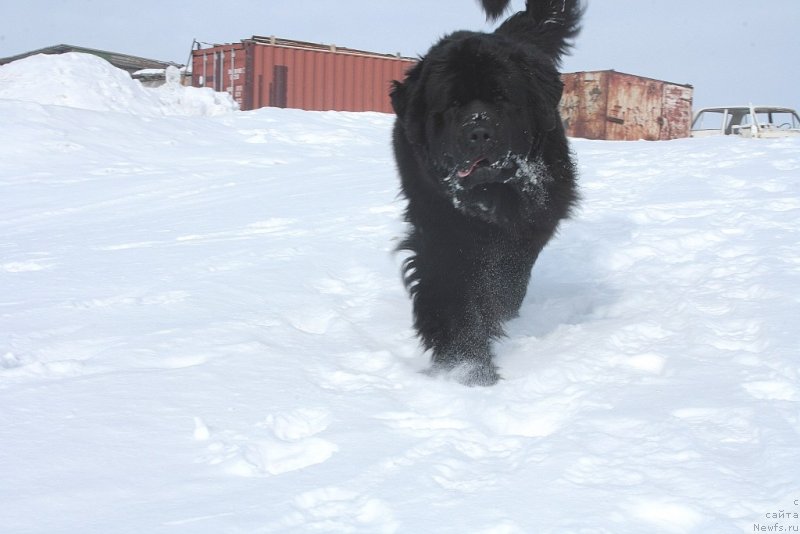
x: 203, y: 330
x: 88, y: 82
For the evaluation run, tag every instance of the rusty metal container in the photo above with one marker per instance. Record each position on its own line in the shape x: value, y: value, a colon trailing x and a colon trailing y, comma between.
x: 617, y: 106
x: 267, y: 71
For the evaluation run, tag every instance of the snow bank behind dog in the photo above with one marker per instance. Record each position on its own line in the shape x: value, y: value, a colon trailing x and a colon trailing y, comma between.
x: 89, y: 82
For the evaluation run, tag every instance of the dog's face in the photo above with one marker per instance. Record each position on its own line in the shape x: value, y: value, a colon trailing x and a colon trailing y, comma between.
x: 475, y: 112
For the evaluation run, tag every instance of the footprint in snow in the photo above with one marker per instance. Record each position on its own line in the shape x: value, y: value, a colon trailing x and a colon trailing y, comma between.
x: 123, y: 300
x: 462, y: 458
x: 280, y: 444
x: 773, y: 390
x: 23, y: 266
x: 712, y: 427
x: 349, y: 296
x: 667, y: 515
x: 359, y: 371
x: 334, y: 509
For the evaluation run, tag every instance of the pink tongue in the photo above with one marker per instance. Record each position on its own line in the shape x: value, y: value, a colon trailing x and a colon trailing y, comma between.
x: 464, y: 174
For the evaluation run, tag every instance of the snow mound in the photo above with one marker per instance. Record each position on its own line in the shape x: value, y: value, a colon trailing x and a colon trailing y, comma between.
x: 89, y: 82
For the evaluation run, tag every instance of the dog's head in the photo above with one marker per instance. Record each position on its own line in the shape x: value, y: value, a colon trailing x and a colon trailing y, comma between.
x: 476, y: 112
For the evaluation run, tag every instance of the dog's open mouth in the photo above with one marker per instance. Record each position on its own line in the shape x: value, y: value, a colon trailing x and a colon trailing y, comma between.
x: 486, y: 189
x: 480, y: 171
x: 471, y: 166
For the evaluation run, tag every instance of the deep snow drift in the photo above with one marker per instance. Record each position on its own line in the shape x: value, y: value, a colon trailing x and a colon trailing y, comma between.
x: 87, y: 82
x: 203, y: 329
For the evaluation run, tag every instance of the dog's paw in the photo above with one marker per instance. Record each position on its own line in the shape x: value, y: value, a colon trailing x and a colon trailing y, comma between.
x: 468, y: 373
x: 476, y: 374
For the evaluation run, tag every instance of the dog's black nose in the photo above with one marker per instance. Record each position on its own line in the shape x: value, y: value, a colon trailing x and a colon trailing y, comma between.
x: 478, y: 137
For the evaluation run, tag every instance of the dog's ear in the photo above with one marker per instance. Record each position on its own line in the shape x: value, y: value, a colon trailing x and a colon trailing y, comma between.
x: 400, y: 92
x: 399, y: 96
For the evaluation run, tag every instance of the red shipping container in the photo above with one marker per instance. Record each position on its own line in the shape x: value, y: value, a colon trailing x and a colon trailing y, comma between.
x: 266, y: 71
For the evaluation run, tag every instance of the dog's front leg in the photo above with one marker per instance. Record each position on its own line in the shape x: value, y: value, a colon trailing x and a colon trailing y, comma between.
x: 453, y: 317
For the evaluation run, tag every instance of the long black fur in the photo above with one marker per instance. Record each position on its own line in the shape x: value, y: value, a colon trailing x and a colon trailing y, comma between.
x: 487, y: 172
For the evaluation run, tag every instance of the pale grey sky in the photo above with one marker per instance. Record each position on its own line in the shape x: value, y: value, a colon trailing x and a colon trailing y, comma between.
x: 732, y: 51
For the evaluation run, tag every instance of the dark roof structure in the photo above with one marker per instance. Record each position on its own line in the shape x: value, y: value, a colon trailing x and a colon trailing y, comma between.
x: 123, y: 61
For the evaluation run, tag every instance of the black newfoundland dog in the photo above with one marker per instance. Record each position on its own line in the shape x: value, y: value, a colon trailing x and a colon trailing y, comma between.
x: 486, y: 169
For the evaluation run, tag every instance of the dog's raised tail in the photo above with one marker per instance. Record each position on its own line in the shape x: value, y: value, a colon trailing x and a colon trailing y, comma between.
x: 552, y: 25
x: 494, y: 8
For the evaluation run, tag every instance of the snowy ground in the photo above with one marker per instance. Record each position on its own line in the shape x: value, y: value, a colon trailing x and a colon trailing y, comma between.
x: 203, y: 330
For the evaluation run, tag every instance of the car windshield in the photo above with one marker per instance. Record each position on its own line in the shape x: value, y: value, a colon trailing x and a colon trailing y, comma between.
x: 771, y: 118
x: 732, y: 120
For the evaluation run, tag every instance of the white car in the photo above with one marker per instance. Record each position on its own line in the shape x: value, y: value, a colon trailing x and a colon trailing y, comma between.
x: 746, y: 121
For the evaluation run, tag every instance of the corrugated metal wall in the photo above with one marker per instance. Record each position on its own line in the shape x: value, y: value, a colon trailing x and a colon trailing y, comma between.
x: 263, y: 72
x: 617, y: 106
x: 677, y: 111
x: 584, y: 98
x: 222, y: 68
